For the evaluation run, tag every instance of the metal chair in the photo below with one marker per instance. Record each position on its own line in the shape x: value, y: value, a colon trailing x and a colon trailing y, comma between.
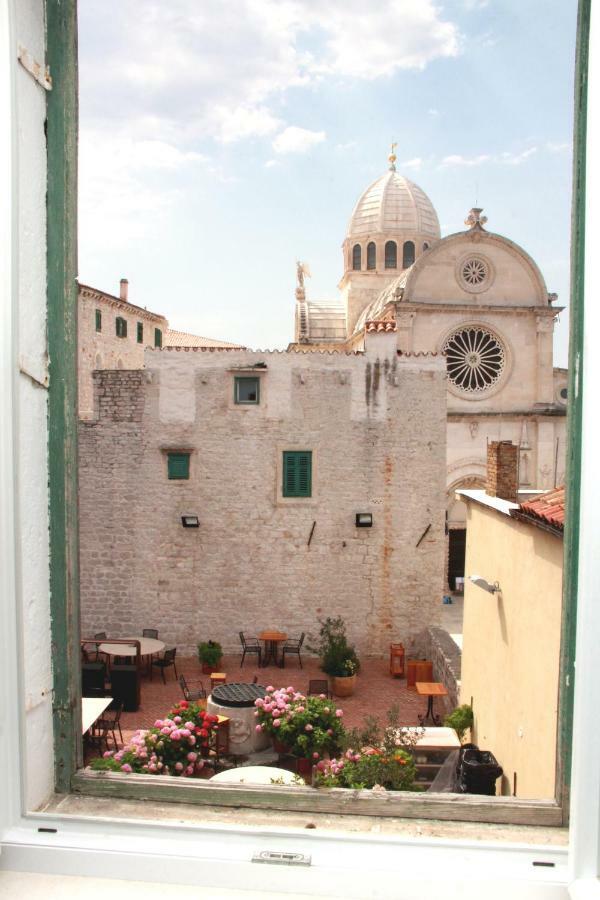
x: 150, y: 633
x: 99, y: 636
x: 292, y: 646
x: 109, y: 723
x: 191, y: 694
x: 164, y: 662
x: 317, y: 686
x: 250, y: 645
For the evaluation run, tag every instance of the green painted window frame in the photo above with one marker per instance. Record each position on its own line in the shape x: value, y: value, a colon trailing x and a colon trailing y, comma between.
x: 121, y: 327
x: 140, y: 332
x: 98, y: 320
x: 157, y: 337
x: 238, y: 382
x: 178, y: 465
x: 297, y: 473
x: 61, y: 28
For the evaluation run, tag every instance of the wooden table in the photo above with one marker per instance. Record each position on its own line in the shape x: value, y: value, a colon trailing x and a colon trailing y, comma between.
x: 272, y: 639
x: 91, y: 709
x: 430, y: 689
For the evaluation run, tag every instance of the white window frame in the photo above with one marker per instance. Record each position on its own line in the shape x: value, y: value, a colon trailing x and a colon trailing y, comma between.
x: 343, y: 865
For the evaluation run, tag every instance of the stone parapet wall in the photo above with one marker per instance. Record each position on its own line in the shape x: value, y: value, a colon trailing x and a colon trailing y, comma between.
x: 375, y: 423
x: 436, y: 644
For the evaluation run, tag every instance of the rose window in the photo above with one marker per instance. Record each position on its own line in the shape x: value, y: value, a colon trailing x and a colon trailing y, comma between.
x: 474, y: 271
x: 474, y: 359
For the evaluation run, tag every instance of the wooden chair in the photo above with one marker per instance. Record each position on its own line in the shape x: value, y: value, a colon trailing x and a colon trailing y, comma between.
x: 164, y: 662
x: 292, y: 646
x: 317, y: 686
x: 190, y: 694
x: 250, y: 645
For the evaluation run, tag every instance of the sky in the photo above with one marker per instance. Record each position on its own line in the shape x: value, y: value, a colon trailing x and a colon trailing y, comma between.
x: 222, y: 141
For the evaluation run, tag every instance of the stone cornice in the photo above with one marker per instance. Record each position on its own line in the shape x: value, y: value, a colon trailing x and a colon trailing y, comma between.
x: 550, y: 412
x: 89, y: 293
x: 479, y: 309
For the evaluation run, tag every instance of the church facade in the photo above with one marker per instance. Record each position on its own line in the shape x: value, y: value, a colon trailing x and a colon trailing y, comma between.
x: 477, y: 298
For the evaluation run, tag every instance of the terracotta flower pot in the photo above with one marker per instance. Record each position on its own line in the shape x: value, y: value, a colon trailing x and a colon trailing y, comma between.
x: 208, y: 669
x: 343, y: 687
x: 278, y: 746
x: 304, y: 769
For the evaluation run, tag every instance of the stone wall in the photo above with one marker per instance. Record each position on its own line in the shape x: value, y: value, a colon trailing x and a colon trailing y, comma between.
x: 375, y: 423
x: 103, y: 349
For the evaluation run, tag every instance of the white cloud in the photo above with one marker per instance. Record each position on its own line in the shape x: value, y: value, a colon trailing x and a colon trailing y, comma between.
x: 559, y: 147
x: 433, y: 112
x: 297, y: 140
x: 515, y: 159
x: 272, y: 163
x: 414, y: 163
x: 241, y: 122
x: 458, y: 160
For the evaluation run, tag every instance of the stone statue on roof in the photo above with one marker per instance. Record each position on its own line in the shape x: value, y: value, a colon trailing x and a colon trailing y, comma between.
x: 302, y: 271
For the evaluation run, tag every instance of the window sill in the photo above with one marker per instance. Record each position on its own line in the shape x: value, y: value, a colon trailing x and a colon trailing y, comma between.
x: 441, y: 807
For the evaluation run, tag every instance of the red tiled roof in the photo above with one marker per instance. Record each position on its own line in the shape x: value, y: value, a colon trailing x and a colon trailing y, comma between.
x: 380, y: 327
x: 548, y: 509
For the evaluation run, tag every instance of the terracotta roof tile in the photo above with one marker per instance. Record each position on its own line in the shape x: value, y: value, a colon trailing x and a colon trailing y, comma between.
x: 548, y: 508
x: 380, y: 327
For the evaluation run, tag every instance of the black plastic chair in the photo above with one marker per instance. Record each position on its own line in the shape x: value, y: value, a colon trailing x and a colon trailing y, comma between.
x: 293, y: 646
x: 93, y: 676
x: 250, y: 645
x: 190, y: 694
x: 317, y: 686
x: 164, y: 662
x: 150, y: 633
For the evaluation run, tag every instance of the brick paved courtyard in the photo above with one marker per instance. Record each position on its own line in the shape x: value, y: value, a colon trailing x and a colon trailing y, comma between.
x: 375, y: 691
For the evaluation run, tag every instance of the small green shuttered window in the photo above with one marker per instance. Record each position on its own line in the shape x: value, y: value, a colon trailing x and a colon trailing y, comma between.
x: 121, y: 327
x: 297, y: 473
x: 157, y: 337
x: 178, y: 466
x: 140, y: 333
x: 98, y: 320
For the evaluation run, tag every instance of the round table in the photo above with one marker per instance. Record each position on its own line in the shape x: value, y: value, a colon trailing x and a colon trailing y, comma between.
x: 148, y: 647
x: 272, y: 639
x: 257, y: 775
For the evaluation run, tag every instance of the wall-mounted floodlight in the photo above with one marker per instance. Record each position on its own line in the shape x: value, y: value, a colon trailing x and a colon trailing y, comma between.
x: 485, y: 585
x: 190, y: 521
x: 364, y: 520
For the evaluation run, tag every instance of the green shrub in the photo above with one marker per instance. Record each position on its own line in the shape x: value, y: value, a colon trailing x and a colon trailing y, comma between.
x: 461, y: 719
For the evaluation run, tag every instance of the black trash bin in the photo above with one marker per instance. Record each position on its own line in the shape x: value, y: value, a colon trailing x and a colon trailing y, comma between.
x: 125, y: 686
x: 479, y: 770
x: 92, y: 679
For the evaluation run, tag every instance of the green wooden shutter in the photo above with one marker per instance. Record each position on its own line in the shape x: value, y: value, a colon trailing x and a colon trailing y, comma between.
x: 140, y: 333
x: 98, y: 320
x: 178, y: 466
x: 121, y: 327
x: 297, y: 473
x: 157, y: 337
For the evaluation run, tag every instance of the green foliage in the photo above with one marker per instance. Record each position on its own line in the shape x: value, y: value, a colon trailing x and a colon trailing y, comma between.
x: 368, y: 768
x: 338, y: 657
x: 461, y: 719
x: 308, y: 726
x: 388, y: 737
x: 210, y: 652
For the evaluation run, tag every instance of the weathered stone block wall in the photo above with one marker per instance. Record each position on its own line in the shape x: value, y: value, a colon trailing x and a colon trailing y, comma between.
x: 375, y: 423
x: 103, y: 349
x: 502, y: 470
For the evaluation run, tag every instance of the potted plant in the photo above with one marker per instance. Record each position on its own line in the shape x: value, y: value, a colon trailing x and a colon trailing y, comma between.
x: 210, y: 654
x: 308, y: 727
x: 338, y: 658
x: 461, y: 719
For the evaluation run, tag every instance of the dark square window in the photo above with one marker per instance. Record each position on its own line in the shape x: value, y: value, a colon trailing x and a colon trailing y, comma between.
x: 297, y: 473
x: 247, y: 390
x: 121, y: 327
x: 178, y: 466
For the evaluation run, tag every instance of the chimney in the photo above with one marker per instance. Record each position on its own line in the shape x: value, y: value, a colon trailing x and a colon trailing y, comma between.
x: 502, y: 470
x: 123, y: 287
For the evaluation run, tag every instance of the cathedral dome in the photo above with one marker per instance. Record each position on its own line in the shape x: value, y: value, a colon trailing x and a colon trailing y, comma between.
x: 392, y: 205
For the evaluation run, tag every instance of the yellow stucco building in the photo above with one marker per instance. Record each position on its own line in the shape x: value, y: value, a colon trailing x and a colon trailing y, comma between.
x: 511, y: 637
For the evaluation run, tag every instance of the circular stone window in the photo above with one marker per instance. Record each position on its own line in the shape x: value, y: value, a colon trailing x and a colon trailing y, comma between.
x: 475, y: 359
x: 474, y: 274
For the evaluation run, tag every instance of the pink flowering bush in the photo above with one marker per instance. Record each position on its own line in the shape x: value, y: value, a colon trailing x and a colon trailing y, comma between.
x: 174, y: 745
x: 308, y: 726
x: 368, y: 767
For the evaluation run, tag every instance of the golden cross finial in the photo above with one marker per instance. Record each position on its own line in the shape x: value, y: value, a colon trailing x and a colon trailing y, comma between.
x: 392, y: 157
